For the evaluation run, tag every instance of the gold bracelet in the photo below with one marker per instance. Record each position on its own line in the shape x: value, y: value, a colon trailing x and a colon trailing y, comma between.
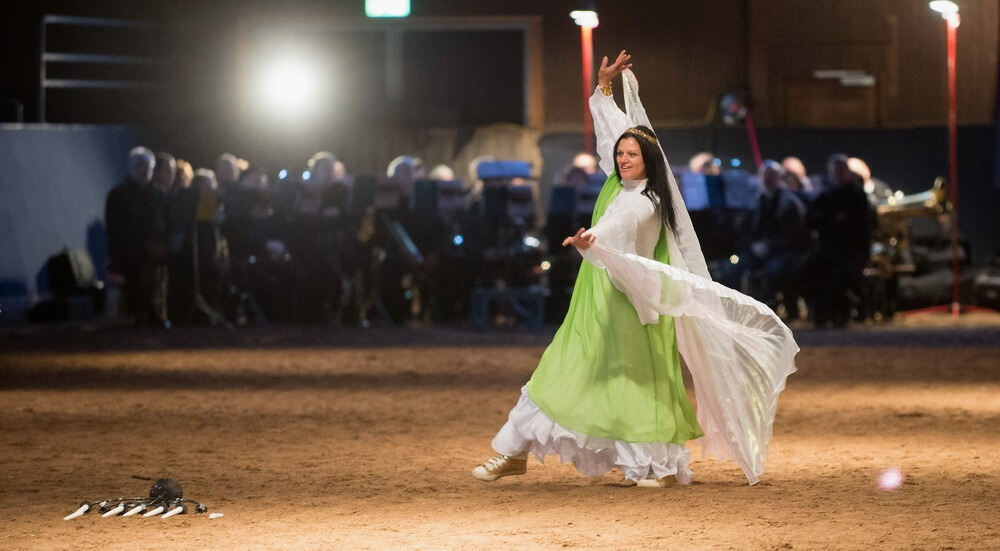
x: 606, y: 88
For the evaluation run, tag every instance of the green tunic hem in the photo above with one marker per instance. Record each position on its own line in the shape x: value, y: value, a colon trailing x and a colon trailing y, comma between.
x: 607, y: 375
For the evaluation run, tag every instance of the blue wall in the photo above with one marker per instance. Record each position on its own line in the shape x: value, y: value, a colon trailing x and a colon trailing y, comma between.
x: 53, y: 181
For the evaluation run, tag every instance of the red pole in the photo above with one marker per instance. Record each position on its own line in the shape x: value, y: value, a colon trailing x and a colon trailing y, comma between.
x: 953, y: 162
x: 587, y: 49
x: 752, y: 136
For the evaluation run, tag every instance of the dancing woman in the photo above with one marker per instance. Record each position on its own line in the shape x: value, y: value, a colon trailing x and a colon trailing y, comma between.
x: 608, y: 391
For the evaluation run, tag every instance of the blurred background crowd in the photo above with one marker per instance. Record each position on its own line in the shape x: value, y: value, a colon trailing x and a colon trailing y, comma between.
x: 239, y: 244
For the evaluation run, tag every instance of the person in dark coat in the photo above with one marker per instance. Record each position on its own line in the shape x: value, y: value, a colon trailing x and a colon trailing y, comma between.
x: 160, y: 197
x: 844, y: 221
x: 777, y: 238
x: 127, y: 217
x: 180, y: 246
x: 317, y: 238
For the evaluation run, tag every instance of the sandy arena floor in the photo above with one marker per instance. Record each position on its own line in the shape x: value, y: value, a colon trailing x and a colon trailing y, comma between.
x: 312, y: 446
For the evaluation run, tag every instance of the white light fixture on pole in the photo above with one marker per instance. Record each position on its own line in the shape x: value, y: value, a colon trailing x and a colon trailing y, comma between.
x: 947, y: 9
x: 586, y: 18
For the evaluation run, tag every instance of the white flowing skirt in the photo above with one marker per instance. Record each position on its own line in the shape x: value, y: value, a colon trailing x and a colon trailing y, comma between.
x: 529, y: 429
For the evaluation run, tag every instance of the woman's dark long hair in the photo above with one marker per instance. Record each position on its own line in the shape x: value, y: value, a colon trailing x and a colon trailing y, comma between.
x: 657, y: 184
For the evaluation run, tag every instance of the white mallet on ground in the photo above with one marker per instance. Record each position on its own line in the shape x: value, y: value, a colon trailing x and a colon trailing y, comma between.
x: 153, y: 512
x: 115, y: 511
x: 83, y: 509
x: 135, y: 510
x: 175, y: 511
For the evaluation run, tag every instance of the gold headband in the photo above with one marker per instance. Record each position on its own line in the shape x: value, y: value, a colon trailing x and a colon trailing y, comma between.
x: 649, y: 137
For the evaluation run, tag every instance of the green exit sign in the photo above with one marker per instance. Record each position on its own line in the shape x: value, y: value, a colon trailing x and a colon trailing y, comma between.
x: 387, y: 8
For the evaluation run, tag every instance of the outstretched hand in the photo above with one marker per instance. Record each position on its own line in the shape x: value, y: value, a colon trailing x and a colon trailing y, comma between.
x: 582, y: 240
x: 607, y: 73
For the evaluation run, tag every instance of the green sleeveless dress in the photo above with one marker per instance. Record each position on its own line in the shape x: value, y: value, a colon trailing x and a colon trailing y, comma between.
x: 607, y: 375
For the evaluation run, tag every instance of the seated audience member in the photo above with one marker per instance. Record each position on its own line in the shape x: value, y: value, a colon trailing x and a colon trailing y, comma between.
x: 586, y: 162
x: 441, y: 173
x: 259, y: 265
x: 340, y: 172
x: 406, y: 170
x: 705, y: 163
x: 796, y: 178
x: 475, y: 184
x: 843, y: 219
x: 877, y: 190
x: 778, y: 236
x: 248, y: 212
x: 184, y: 175
x: 127, y: 220
x: 227, y: 173
x: 317, y: 235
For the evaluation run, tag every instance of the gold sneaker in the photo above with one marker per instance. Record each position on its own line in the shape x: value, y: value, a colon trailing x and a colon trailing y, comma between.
x: 664, y: 482
x: 501, y: 465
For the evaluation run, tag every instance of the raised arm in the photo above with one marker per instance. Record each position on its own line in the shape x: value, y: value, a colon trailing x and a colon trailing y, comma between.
x: 609, y: 120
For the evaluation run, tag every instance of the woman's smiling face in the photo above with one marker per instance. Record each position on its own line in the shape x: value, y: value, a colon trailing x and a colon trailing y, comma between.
x: 629, y: 159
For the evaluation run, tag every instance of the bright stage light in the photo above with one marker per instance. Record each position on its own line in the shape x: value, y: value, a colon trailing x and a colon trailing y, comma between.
x: 585, y: 18
x: 944, y: 7
x: 387, y: 8
x: 947, y: 9
x: 290, y: 87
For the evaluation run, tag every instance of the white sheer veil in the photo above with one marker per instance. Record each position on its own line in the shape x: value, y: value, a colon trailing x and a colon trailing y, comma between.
x: 691, y: 257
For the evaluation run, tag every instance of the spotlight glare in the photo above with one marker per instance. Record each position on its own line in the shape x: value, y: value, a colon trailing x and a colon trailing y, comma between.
x: 282, y: 174
x: 306, y: 175
x: 387, y: 8
x: 458, y: 240
x: 585, y: 18
x: 948, y: 11
x: 289, y: 87
x: 944, y: 7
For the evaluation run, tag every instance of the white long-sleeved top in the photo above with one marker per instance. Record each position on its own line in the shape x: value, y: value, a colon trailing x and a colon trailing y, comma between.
x: 631, y: 224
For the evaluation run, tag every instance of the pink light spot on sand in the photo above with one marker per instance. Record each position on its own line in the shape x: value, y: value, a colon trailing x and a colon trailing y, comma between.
x: 890, y: 479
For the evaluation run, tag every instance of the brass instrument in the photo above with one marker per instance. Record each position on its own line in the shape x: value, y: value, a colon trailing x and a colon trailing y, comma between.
x: 932, y: 202
x: 893, y: 214
x: 891, y: 252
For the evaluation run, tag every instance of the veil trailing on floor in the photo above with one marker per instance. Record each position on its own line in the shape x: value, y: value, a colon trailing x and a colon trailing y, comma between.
x: 737, y: 350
